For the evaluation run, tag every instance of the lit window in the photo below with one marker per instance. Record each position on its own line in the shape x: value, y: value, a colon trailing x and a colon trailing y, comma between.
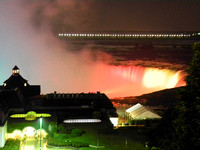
x: 4, y: 84
x: 25, y: 84
x: 15, y: 71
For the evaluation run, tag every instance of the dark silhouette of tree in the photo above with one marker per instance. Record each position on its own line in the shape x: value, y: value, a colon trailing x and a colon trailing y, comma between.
x: 180, y: 128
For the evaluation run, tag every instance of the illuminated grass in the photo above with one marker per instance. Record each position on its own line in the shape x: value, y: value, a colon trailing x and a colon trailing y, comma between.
x: 113, y: 141
x: 11, y: 145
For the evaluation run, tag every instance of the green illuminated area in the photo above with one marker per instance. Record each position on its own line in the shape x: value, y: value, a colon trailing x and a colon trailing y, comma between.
x: 11, y: 144
x: 83, y: 135
x: 76, y: 135
x: 31, y: 115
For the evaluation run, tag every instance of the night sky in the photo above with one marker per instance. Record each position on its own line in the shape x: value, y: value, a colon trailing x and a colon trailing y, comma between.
x: 118, y: 15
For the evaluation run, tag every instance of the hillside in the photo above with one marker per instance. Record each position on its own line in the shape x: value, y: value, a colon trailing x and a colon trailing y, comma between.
x: 165, y: 98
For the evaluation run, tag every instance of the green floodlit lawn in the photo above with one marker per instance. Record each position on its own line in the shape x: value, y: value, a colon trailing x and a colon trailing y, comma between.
x: 11, y: 145
x: 115, y: 141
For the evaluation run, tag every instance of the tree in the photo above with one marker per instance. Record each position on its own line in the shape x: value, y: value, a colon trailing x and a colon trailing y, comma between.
x: 187, y: 122
x: 180, y: 128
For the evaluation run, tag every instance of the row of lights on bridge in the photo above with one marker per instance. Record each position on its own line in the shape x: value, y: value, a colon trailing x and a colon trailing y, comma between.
x: 122, y: 35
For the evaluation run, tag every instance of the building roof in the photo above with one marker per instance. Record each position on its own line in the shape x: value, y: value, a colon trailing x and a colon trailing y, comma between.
x: 15, y: 68
x: 98, y: 100
x: 135, y: 107
x: 15, y: 80
x: 139, y: 111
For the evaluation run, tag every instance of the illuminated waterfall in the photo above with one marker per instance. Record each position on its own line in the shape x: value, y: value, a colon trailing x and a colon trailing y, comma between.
x: 140, y: 80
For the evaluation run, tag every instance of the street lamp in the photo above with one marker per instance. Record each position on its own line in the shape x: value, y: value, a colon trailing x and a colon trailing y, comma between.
x: 40, y: 132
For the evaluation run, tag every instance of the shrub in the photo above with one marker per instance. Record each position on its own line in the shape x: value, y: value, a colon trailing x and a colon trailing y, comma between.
x: 146, y: 122
x: 60, y: 136
x: 61, y: 142
x: 77, y: 132
x: 11, y: 145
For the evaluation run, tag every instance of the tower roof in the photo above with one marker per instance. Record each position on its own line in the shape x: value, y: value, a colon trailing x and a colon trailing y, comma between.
x: 15, y: 80
x: 15, y: 68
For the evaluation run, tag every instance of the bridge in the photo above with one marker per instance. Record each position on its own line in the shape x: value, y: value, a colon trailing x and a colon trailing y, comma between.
x: 131, y: 35
x: 139, y: 39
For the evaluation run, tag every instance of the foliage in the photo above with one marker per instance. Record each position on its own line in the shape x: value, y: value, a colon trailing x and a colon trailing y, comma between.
x: 77, y: 132
x: 52, y: 128
x: 187, y: 123
x: 181, y: 126
x: 60, y: 139
x: 96, y: 115
x: 62, y: 142
x: 62, y: 129
x: 61, y: 136
x: 73, y: 133
x: 146, y: 122
x: 11, y: 145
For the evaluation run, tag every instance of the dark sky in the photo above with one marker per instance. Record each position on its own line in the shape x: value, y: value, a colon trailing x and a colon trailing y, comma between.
x: 117, y: 15
x: 150, y: 15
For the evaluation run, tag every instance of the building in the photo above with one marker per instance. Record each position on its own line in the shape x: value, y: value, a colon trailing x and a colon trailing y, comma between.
x: 19, y: 100
x: 139, y: 111
x: 17, y: 81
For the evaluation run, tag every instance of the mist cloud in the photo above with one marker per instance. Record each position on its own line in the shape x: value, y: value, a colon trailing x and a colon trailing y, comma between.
x: 62, y: 15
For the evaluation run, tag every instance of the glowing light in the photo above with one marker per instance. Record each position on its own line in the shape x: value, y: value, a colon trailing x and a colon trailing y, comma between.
x: 114, y: 120
x: 31, y: 115
x: 173, y: 81
x: 41, y: 132
x: 15, y: 71
x: 160, y: 78
x: 18, y: 116
x: 127, y: 35
x: 153, y: 78
x: 16, y: 134
x: 82, y: 121
x: 29, y: 131
x: 135, y: 79
x: 133, y: 73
